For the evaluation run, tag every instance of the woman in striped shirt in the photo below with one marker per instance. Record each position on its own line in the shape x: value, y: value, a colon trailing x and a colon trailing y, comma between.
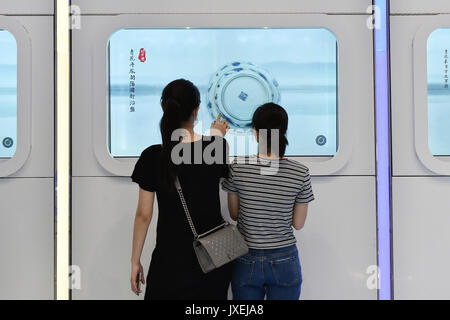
x: 268, y: 194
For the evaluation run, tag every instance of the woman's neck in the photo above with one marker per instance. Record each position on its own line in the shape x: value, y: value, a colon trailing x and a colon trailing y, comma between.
x: 265, y: 155
x: 190, y: 135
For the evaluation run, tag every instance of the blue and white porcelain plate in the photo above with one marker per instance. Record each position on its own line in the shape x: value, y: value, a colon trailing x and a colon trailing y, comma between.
x: 237, y: 89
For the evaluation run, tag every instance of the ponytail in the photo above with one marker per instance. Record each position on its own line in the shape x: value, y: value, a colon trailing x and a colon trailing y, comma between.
x: 170, y: 121
x: 179, y: 99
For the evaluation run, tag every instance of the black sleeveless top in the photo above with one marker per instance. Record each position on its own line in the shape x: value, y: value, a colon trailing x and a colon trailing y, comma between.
x: 174, y: 266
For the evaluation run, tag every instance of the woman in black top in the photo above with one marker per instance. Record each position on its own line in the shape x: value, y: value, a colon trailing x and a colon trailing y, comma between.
x: 174, y: 271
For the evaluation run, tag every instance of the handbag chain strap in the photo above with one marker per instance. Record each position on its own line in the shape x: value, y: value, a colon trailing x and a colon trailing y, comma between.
x: 186, y: 210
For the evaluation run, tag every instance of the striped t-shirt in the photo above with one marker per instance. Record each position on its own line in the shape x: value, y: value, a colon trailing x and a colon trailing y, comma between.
x: 268, y: 191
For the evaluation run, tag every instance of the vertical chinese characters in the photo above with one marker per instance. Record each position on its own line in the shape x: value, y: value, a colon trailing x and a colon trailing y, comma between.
x: 446, y: 69
x: 132, y: 81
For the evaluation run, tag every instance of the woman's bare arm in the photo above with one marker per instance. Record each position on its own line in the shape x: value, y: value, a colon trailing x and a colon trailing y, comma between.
x: 233, y: 205
x: 142, y: 220
x: 299, y: 218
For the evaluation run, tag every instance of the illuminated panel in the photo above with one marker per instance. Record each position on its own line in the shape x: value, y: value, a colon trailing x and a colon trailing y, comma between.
x: 236, y: 70
x: 62, y: 178
x: 438, y: 53
x: 382, y: 106
x: 8, y: 94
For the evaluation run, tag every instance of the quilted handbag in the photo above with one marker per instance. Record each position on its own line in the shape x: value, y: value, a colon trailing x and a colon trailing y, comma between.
x: 217, y: 246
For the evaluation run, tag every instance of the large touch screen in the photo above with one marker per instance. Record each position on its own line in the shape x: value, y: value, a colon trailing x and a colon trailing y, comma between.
x: 438, y: 53
x: 236, y: 70
x: 8, y: 94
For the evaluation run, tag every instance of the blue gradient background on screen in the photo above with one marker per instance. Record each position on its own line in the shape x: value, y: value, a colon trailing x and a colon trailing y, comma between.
x: 438, y: 96
x: 303, y: 61
x: 8, y: 92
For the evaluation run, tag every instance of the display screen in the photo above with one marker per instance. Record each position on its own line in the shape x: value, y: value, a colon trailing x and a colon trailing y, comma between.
x: 236, y: 70
x: 8, y: 94
x: 438, y: 52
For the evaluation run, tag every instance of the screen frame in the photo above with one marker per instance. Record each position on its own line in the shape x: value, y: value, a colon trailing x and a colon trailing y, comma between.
x: 11, y: 165
x: 122, y: 166
x: 210, y: 28
x: 437, y: 164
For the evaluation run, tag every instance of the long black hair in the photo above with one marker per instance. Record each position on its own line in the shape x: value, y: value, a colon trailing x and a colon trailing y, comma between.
x: 272, y: 116
x: 179, y: 99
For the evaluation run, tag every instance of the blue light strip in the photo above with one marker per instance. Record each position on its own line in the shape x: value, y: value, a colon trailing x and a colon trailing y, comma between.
x: 381, y: 33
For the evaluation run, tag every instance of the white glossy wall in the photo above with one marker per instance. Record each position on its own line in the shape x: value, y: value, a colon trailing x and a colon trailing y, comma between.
x: 26, y: 195
x: 339, y: 240
x: 421, y: 205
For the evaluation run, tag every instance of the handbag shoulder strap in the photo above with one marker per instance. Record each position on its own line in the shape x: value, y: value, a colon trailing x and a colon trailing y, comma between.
x: 186, y: 210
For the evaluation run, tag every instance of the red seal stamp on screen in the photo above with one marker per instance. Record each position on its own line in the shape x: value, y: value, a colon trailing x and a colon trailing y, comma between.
x: 142, y: 55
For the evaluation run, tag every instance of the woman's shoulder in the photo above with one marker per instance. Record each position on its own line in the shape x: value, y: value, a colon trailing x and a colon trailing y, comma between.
x: 300, y: 167
x: 215, y: 139
x: 152, y: 150
x: 243, y: 161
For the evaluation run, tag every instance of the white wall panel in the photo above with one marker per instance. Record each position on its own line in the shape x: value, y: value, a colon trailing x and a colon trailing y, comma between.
x: 102, y: 233
x: 40, y: 161
x: 419, y: 6
x: 336, y: 246
x: 404, y: 157
x: 26, y: 238
x: 27, y: 196
x: 22, y: 7
x: 339, y: 241
x: 420, y: 201
x: 215, y: 6
x: 356, y: 87
x: 421, y: 243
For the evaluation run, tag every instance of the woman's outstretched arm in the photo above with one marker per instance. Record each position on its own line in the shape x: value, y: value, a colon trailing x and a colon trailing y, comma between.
x: 142, y: 220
